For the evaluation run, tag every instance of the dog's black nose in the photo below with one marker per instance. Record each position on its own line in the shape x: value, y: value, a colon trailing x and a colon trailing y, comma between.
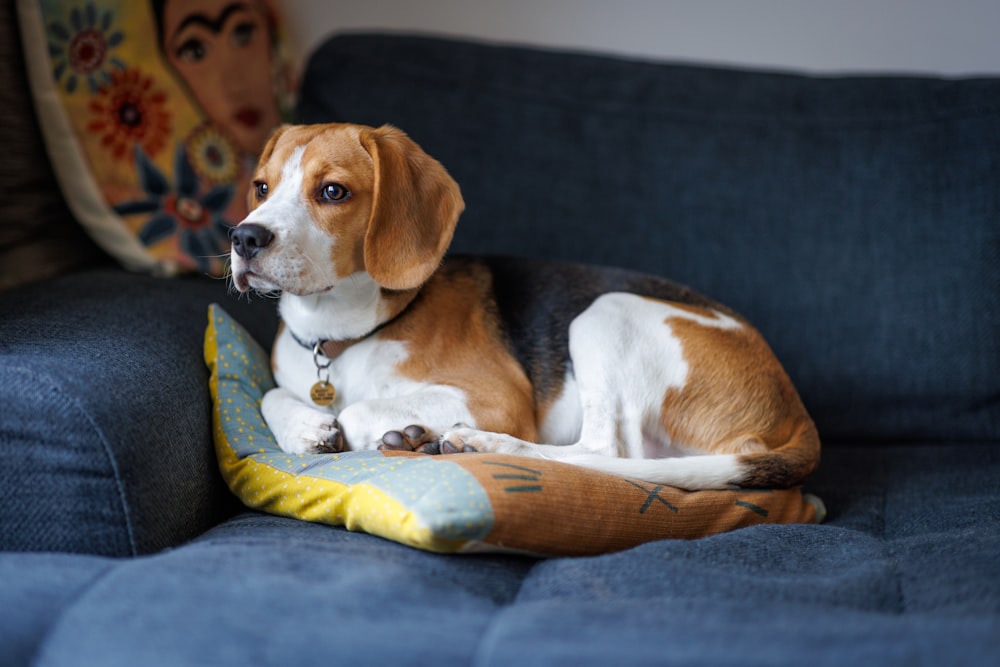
x: 249, y: 239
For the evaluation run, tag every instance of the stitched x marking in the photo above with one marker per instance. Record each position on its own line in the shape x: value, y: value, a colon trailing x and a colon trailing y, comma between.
x: 652, y: 495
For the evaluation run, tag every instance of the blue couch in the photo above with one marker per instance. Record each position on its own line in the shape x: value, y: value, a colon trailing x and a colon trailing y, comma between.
x: 855, y: 221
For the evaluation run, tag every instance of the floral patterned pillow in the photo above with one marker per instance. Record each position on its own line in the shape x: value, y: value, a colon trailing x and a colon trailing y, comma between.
x: 153, y: 113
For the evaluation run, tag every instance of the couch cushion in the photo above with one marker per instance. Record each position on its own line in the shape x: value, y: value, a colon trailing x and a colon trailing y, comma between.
x: 853, y: 220
x: 904, y: 572
x: 105, y: 440
x: 46, y: 584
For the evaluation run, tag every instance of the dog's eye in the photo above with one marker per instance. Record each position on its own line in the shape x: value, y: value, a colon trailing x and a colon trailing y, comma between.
x: 334, y: 192
x: 260, y: 187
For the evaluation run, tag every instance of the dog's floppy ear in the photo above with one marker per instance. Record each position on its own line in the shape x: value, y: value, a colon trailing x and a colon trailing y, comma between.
x: 415, y: 207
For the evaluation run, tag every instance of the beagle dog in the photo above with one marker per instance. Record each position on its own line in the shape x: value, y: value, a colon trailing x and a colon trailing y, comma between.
x: 385, y: 343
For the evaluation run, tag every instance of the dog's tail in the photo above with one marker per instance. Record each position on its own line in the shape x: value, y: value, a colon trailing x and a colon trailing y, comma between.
x: 782, y: 467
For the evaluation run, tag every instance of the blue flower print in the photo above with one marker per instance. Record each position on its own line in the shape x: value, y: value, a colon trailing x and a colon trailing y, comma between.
x: 81, y: 47
x: 204, y: 233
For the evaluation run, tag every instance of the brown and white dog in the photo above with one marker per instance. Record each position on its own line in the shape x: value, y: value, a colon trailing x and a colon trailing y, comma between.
x: 608, y: 369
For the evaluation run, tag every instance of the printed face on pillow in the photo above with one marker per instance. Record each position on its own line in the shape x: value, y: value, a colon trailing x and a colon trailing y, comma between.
x: 223, y: 51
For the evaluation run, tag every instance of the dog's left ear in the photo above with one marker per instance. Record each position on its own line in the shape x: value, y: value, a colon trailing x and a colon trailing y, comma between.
x: 415, y: 208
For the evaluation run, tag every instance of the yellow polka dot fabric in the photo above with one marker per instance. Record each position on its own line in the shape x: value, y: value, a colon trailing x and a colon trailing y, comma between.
x: 457, y: 503
x: 414, y: 500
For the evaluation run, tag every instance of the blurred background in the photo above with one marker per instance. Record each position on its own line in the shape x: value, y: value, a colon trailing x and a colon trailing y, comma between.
x: 951, y: 37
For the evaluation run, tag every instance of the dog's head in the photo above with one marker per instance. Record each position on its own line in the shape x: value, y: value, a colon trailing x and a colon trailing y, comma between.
x: 332, y: 201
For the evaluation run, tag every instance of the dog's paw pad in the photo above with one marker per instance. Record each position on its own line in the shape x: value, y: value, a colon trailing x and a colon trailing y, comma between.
x: 393, y: 440
x: 413, y: 438
x: 432, y: 447
x: 456, y: 447
x: 415, y: 432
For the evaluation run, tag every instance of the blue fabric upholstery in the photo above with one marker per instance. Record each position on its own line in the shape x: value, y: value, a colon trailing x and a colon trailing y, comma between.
x: 904, y: 572
x: 853, y: 219
x: 106, y: 414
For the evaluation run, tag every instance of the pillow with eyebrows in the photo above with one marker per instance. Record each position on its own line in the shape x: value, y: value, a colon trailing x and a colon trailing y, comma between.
x: 459, y: 503
x: 153, y: 114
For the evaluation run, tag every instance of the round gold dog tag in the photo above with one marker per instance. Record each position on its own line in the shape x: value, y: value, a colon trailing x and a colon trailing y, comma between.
x: 323, y: 393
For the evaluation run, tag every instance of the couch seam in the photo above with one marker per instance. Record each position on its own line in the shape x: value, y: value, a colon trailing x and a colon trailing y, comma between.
x: 46, y: 380
x: 488, y: 638
x: 897, y: 579
x: 482, y: 655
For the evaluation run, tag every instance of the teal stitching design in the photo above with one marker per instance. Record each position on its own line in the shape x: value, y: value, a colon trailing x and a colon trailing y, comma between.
x: 532, y: 476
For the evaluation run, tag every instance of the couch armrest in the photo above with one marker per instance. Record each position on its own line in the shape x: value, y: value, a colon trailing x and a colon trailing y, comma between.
x: 105, y: 438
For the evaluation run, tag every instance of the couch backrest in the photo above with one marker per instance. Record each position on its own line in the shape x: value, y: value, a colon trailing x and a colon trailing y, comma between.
x: 855, y: 221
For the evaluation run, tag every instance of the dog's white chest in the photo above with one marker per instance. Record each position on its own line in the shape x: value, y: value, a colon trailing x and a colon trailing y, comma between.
x: 364, y: 371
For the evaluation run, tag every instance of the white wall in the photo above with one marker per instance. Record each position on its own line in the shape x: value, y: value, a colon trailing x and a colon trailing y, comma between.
x: 957, y: 37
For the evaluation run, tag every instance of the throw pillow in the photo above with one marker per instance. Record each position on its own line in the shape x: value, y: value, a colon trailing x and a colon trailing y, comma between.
x: 153, y: 114
x: 457, y: 503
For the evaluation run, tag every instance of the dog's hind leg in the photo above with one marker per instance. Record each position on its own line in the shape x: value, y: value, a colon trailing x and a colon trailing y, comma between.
x: 623, y: 359
x: 627, y: 359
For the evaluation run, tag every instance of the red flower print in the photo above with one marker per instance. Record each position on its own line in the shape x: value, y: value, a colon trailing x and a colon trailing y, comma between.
x: 129, y: 111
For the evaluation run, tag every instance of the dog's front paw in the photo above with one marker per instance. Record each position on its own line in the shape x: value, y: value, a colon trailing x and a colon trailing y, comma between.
x: 299, y: 428
x: 460, y: 440
x: 330, y: 439
x: 413, y: 438
x: 309, y: 431
x: 318, y: 438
